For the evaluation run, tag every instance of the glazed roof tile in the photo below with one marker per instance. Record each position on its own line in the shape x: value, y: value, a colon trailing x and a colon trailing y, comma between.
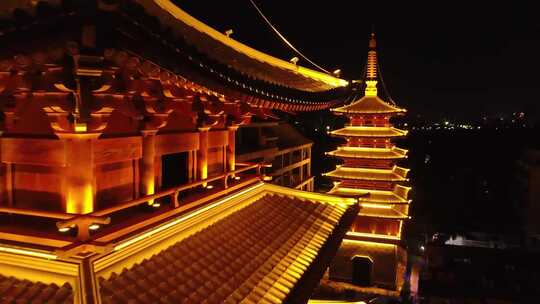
x: 13, y: 290
x: 256, y: 254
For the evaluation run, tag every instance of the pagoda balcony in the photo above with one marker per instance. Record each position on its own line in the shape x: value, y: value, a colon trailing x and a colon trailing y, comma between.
x: 59, y: 230
x: 369, y: 153
x: 396, y: 174
x: 359, y: 131
x: 397, y: 196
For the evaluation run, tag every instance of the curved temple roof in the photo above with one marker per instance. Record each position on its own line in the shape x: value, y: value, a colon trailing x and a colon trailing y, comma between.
x: 238, y: 55
x: 205, y: 55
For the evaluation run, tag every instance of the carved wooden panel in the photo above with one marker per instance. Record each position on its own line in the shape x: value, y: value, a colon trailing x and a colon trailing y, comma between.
x: 46, y: 152
x: 175, y: 143
x: 113, y: 150
x: 218, y: 138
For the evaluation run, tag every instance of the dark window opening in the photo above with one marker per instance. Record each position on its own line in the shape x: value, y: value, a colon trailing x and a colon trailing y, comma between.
x: 362, y: 270
x: 175, y: 170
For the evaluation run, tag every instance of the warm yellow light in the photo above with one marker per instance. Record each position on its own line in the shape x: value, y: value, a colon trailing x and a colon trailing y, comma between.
x: 181, y: 219
x: 373, y: 235
x: 209, y: 186
x: 150, y: 189
x: 28, y: 252
x: 80, y: 204
x: 64, y: 229
x: 80, y: 127
x: 93, y: 227
x: 371, y: 88
x: 237, y: 177
x: 334, y: 302
x: 376, y: 206
x: 156, y: 205
x: 367, y: 243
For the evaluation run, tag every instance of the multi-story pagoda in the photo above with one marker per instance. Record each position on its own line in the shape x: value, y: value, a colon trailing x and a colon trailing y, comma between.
x: 369, y: 172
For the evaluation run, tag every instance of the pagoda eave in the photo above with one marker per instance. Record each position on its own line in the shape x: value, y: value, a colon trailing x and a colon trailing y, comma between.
x: 346, y: 155
x: 382, y: 213
x: 366, y: 177
x: 368, y: 132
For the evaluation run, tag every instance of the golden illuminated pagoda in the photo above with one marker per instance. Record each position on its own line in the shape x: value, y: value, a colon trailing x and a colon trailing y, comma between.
x: 371, y: 254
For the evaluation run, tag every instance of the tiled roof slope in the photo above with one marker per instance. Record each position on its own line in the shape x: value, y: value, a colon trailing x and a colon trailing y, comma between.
x: 257, y: 254
x: 23, y: 291
x: 369, y: 105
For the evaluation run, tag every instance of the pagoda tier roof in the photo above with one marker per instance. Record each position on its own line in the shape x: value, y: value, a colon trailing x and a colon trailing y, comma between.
x: 364, y: 131
x: 369, y: 105
x: 399, y: 195
x: 260, y: 252
x: 369, y: 153
x: 395, y: 174
x: 381, y: 212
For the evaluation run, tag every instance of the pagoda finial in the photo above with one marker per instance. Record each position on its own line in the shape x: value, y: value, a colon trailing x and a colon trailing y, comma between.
x: 371, y: 71
x: 372, y: 41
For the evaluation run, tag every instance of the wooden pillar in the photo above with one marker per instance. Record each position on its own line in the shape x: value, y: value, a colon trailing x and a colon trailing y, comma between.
x: 202, y: 155
x: 231, y: 148
x: 7, y: 178
x: 309, y: 162
x: 79, y: 179
x: 147, y: 172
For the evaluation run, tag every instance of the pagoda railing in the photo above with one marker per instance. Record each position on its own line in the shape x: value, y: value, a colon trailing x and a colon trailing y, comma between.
x: 83, y: 222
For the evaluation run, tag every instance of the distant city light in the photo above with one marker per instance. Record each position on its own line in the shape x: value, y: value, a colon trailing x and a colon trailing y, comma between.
x: 93, y: 227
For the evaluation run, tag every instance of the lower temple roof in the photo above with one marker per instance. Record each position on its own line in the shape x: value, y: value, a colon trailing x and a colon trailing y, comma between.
x: 264, y: 243
x: 258, y: 253
x: 13, y: 290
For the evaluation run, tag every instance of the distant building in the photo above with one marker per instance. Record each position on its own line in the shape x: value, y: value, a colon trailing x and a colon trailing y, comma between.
x: 529, y: 183
x: 281, y: 145
x: 371, y: 254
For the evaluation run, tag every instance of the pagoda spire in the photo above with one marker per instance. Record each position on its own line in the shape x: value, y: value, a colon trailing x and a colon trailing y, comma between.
x: 371, y: 70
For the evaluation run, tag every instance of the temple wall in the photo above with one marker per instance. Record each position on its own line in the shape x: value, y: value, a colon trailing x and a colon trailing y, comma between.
x: 381, y: 226
x: 383, y: 256
x: 34, y: 168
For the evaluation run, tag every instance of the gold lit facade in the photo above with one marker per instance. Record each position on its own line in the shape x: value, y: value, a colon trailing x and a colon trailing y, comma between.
x: 119, y: 181
x: 370, y: 172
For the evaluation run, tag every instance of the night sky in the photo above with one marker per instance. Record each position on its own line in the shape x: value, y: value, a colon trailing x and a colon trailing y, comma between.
x: 448, y: 60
